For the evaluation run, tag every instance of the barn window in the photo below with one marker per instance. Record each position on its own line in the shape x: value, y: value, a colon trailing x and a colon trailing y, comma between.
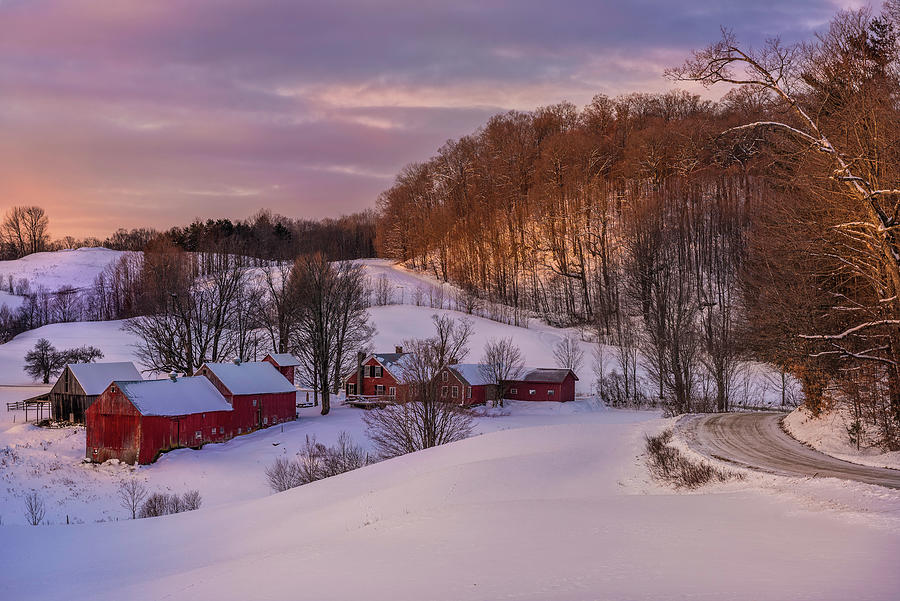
x: 254, y: 402
x: 513, y: 391
x: 445, y: 375
x: 532, y: 391
x: 392, y: 391
x: 443, y: 391
x: 549, y: 392
x: 454, y: 392
x: 221, y: 430
x: 266, y: 421
x: 379, y: 389
x: 239, y: 430
x: 198, y: 434
x: 469, y: 392
x: 351, y: 388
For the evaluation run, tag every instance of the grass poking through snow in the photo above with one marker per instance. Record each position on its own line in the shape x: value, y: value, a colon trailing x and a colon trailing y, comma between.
x: 670, y: 465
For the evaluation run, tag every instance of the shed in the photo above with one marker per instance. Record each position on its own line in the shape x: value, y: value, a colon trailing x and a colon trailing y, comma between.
x: 80, y: 384
x: 259, y: 393
x: 542, y: 384
x: 135, y: 421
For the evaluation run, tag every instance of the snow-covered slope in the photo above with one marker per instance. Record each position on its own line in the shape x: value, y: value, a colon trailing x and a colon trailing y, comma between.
x: 528, y: 513
x: 828, y: 433
x: 52, y: 270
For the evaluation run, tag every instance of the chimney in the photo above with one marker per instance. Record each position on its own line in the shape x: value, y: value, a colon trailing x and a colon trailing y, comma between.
x: 237, y: 361
x: 398, y: 349
x: 173, y: 376
x: 360, y: 357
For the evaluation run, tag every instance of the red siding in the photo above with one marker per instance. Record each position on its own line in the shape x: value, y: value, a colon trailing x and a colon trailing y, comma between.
x: 369, y: 384
x: 479, y: 393
x: 287, y: 372
x: 564, y: 391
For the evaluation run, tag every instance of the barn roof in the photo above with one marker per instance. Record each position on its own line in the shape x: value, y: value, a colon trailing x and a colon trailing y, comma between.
x: 253, y: 377
x: 545, y: 374
x: 95, y: 377
x: 183, y: 396
x: 285, y: 359
x: 470, y: 373
x: 390, y: 361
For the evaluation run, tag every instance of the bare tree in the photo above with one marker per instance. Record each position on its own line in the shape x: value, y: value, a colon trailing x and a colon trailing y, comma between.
x: 451, y: 338
x: 34, y: 508
x: 569, y: 354
x: 132, y: 493
x: 426, y: 421
x: 501, y: 362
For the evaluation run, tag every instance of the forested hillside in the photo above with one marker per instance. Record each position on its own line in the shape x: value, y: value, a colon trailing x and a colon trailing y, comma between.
x: 695, y: 232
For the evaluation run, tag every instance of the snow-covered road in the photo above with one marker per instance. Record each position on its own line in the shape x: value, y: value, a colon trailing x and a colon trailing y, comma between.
x: 757, y: 441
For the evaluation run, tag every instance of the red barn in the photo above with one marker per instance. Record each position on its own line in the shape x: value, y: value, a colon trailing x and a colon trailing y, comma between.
x: 286, y: 363
x: 542, y: 384
x: 378, y: 375
x: 136, y: 421
x: 463, y: 383
x: 259, y: 393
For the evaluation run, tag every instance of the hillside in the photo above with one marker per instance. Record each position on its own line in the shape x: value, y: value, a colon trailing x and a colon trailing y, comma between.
x: 52, y: 270
x: 557, y: 511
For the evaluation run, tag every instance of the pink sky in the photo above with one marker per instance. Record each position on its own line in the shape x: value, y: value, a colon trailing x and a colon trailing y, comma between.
x: 132, y: 113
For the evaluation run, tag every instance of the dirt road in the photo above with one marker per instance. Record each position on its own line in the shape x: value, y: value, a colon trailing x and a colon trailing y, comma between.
x: 756, y: 440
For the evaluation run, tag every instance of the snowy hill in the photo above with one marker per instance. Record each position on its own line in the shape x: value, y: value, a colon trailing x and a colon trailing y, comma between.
x: 52, y: 270
x: 529, y: 513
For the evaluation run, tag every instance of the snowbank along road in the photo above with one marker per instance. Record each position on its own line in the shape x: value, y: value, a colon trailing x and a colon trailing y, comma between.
x: 756, y: 440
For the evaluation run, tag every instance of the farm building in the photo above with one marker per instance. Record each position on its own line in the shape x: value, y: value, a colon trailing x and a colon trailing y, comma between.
x: 542, y: 384
x: 258, y: 392
x: 80, y: 384
x: 286, y: 363
x: 378, y: 375
x: 463, y: 383
x: 136, y: 421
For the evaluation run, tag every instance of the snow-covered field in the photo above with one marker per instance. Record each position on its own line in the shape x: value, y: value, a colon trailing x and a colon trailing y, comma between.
x: 828, y: 433
x: 76, y: 268
x: 547, y: 501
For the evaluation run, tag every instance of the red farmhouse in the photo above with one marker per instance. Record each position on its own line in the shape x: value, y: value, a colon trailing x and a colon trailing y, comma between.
x: 258, y: 393
x: 543, y: 384
x: 463, y: 383
x: 378, y: 375
x: 135, y: 421
x: 286, y: 363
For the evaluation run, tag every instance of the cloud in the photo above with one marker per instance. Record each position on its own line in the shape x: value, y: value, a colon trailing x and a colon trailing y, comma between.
x: 132, y: 113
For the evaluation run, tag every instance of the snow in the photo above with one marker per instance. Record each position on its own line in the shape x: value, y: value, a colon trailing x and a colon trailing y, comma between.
x: 183, y: 396
x: 95, y: 377
x: 285, y: 359
x: 471, y: 373
x: 555, y: 506
x: 828, y: 433
x: 53, y: 270
x: 108, y: 336
x: 11, y: 301
x: 543, y: 374
x: 252, y: 377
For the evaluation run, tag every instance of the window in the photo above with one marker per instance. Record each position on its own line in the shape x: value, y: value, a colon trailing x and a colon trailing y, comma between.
x: 445, y: 376
x: 443, y: 391
x: 392, y: 391
x: 198, y: 434
x: 379, y: 389
x: 532, y: 392
x: 221, y: 430
x: 513, y: 391
x: 367, y: 371
x: 351, y: 388
x: 454, y: 392
x: 469, y: 392
x: 239, y: 430
x: 549, y: 392
x: 254, y: 402
x: 379, y: 371
x: 265, y: 421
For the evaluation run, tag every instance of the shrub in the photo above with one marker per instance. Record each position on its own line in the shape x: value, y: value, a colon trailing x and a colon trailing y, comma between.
x: 670, y: 465
x: 315, y: 462
x: 158, y: 504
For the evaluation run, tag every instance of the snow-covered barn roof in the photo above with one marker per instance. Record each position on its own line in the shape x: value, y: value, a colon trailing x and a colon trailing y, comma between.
x: 470, y: 373
x: 168, y: 397
x: 95, y: 377
x: 253, y: 377
x: 285, y: 359
x: 545, y: 374
x: 390, y: 361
